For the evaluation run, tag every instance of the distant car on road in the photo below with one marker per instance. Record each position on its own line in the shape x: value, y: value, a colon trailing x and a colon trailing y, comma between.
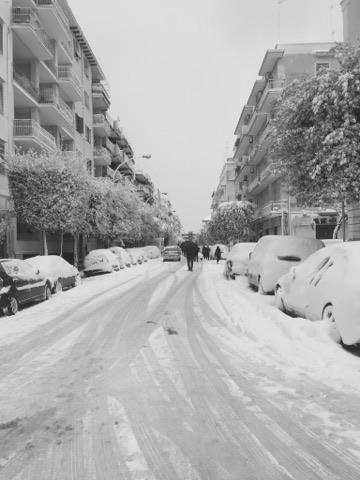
x: 60, y: 273
x: 20, y: 283
x: 274, y: 255
x: 326, y: 286
x: 172, y: 253
x: 122, y: 255
x: 237, y: 261
x: 100, y: 261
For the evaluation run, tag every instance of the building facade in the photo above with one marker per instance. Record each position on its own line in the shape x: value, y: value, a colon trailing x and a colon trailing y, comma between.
x: 53, y: 97
x: 351, y: 27
x: 276, y: 212
x: 225, y: 191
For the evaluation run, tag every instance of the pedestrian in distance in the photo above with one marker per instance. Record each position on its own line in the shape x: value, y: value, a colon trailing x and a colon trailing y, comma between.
x: 217, y: 254
x: 203, y: 251
x: 191, y: 251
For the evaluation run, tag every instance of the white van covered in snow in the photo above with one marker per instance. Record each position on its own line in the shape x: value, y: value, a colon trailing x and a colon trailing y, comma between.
x: 274, y: 255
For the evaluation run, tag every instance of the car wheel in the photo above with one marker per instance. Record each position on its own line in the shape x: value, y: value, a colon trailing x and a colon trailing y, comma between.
x: 279, y: 302
x: 260, y: 287
x: 12, y: 307
x: 47, y: 292
x: 58, y: 286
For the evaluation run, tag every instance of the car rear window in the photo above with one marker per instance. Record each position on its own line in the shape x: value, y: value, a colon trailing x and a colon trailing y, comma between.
x: 289, y: 258
x: 172, y: 249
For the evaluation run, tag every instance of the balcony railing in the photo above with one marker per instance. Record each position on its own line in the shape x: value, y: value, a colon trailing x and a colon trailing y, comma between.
x: 26, y: 16
x: 31, y: 128
x: 66, y: 72
x: 101, y: 152
x: 100, y: 89
x: 58, y: 9
x: 48, y: 96
x: 67, y: 47
x: 27, y: 85
x: 101, y: 119
x: 51, y: 66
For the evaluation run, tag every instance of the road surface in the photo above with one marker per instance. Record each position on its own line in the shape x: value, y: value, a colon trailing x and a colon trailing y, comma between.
x: 138, y: 382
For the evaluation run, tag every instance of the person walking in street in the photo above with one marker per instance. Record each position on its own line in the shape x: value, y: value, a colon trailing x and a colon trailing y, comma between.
x: 204, y: 251
x: 217, y: 254
x: 191, y: 251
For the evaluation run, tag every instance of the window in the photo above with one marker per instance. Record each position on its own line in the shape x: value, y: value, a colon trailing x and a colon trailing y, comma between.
x: 2, y: 149
x: 88, y: 134
x: 77, y: 49
x: 321, y: 67
x: 87, y: 100
x: 1, y: 36
x: 79, y: 123
x: 1, y: 97
x: 86, y: 67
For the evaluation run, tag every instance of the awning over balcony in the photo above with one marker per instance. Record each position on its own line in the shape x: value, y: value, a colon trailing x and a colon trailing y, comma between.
x: 269, y: 62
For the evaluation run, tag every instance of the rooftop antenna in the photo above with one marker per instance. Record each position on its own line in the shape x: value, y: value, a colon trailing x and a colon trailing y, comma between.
x: 279, y: 3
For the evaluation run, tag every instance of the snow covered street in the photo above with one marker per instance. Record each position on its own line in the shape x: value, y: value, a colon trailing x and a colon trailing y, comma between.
x: 155, y: 373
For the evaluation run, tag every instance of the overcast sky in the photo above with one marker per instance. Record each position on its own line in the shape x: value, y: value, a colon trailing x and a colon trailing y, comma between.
x: 180, y: 71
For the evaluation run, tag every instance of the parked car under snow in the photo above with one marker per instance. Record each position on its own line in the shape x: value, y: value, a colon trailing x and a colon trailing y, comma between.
x: 122, y: 255
x: 152, y: 252
x: 274, y: 255
x: 20, y: 283
x: 60, y: 273
x: 326, y: 286
x: 100, y: 261
x: 135, y: 256
x: 237, y: 261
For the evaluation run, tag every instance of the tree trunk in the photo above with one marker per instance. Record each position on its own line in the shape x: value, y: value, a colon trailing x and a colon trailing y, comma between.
x: 61, y: 243
x: 76, y: 249
x: 45, y: 245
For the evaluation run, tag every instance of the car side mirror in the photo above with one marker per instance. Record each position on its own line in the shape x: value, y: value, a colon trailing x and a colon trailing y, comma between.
x: 250, y: 255
x: 37, y: 272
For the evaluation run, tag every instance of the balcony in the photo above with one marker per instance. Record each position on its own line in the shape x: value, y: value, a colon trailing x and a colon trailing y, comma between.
x: 48, y: 72
x: 271, y: 92
x: 54, y: 110
x: 69, y: 83
x: 253, y: 184
x: 102, y: 157
x: 28, y: 134
x: 65, y: 52
x: 26, y: 95
x: 100, y: 95
x: 101, y: 125
x: 26, y: 25
x: 54, y: 19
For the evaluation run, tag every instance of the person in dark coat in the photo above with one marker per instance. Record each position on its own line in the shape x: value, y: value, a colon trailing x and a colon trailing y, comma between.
x: 217, y: 254
x: 191, y: 251
x: 203, y: 251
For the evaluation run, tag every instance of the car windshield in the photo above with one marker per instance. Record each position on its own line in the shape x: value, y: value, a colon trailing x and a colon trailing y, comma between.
x: 11, y: 268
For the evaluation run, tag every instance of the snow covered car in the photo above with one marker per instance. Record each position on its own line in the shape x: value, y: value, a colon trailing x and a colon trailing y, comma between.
x: 326, y: 286
x: 135, y: 256
x: 122, y: 255
x: 60, y: 273
x: 237, y: 261
x: 20, y: 283
x: 152, y: 252
x: 274, y: 255
x: 224, y: 251
x: 171, y: 253
x: 100, y: 261
x: 141, y: 252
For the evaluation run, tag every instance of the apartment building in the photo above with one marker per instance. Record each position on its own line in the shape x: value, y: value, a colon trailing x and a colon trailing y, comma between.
x: 276, y: 213
x: 53, y: 96
x: 351, y: 27
x: 6, y: 107
x: 225, y: 191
